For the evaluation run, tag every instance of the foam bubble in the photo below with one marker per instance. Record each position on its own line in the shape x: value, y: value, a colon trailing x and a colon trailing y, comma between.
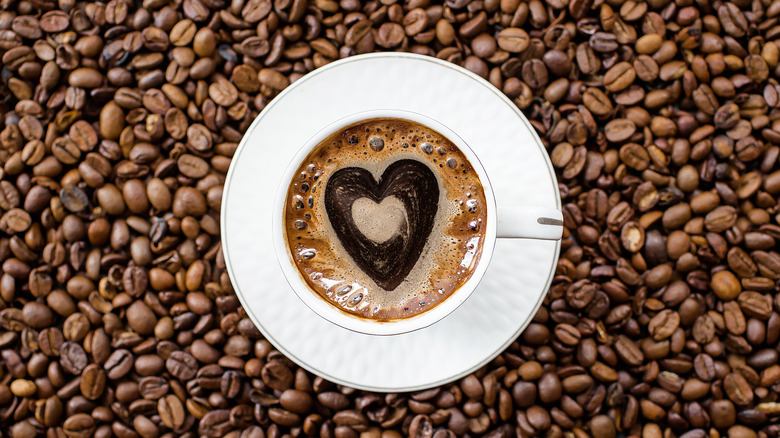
x: 376, y: 143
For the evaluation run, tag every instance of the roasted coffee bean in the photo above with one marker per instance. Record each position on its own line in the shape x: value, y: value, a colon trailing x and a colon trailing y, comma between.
x: 664, y: 324
x: 215, y: 423
x: 513, y: 40
x: 140, y: 317
x: 152, y: 387
x: 93, y: 381
x: 73, y: 358
x: 277, y: 375
x: 181, y: 365
x: 296, y: 401
x: 79, y: 425
x: 118, y: 364
x: 171, y: 411
x: 738, y: 389
x: 725, y: 285
x: 628, y: 351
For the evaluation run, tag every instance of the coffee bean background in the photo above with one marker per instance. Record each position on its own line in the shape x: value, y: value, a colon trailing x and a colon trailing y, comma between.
x: 118, y: 121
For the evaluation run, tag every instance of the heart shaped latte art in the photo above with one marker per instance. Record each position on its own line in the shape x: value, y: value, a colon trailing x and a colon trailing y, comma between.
x: 386, y: 260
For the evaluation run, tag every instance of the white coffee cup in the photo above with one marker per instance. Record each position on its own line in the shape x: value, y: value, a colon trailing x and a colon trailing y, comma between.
x: 503, y: 221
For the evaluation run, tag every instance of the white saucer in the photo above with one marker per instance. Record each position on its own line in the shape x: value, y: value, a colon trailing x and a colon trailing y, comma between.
x: 520, y: 271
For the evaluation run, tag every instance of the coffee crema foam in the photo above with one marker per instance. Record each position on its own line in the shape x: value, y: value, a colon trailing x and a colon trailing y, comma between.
x: 450, y: 253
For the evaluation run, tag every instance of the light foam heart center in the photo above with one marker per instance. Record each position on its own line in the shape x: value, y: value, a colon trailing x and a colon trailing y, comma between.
x: 379, y: 222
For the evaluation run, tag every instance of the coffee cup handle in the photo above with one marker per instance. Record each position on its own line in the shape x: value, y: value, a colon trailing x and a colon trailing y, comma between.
x: 530, y: 223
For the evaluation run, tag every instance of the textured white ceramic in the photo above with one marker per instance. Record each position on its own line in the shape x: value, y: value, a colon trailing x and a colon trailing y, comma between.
x: 346, y: 320
x: 515, y: 282
x: 519, y: 221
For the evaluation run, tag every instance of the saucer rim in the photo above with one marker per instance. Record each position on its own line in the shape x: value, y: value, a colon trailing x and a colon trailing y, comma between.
x: 229, y: 177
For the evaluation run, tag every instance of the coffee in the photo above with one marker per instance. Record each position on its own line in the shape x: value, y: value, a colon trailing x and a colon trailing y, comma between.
x: 385, y: 219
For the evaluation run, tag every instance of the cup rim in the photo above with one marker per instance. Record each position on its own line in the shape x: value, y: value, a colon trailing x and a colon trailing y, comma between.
x: 329, y: 311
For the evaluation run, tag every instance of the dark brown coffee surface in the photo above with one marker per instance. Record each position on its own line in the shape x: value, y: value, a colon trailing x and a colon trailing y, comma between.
x: 387, y: 262
x: 119, y: 119
x: 385, y: 219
